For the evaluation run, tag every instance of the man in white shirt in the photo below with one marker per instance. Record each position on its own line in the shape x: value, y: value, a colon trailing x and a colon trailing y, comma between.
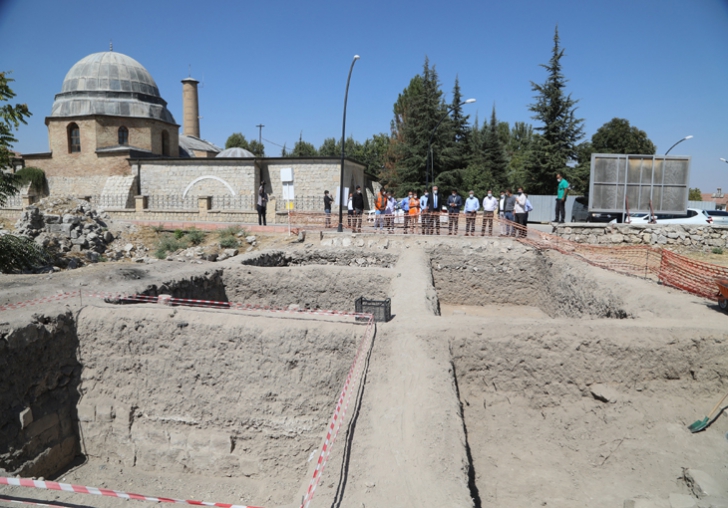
x: 424, y: 215
x: 471, y: 209
x: 490, y: 205
x: 519, y: 211
x: 502, y: 212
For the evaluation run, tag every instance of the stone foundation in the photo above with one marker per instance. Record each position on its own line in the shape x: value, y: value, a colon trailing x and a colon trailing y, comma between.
x: 687, y: 236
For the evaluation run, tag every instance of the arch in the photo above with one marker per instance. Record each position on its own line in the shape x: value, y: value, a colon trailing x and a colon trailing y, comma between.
x: 210, y: 177
x: 123, y: 135
x: 74, y: 138
x: 165, y: 143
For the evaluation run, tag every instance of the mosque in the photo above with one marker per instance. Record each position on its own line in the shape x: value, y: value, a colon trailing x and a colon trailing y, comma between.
x: 112, y: 138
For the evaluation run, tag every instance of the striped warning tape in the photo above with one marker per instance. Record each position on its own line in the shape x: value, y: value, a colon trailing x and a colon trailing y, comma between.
x: 339, y: 415
x: 38, y: 301
x: 79, y: 489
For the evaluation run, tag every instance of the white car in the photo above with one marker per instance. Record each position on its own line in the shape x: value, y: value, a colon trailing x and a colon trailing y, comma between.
x: 693, y: 216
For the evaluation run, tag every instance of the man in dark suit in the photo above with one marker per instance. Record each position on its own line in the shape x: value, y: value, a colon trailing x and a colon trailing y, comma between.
x: 358, y: 203
x: 434, y: 205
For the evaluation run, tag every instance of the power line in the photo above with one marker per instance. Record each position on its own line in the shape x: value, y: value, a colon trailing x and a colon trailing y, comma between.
x: 272, y: 142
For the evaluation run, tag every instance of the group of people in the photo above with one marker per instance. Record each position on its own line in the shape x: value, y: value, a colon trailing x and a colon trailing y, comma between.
x: 423, y: 214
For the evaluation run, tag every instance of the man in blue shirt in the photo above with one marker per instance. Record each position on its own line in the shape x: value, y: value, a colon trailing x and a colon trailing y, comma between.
x: 561, y: 193
x: 471, y: 209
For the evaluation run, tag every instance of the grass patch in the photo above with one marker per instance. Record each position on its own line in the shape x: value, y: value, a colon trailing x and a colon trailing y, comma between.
x: 230, y: 231
x: 717, y: 250
x: 195, y: 236
x: 178, y: 234
x: 229, y: 242
x: 168, y: 243
x: 158, y: 228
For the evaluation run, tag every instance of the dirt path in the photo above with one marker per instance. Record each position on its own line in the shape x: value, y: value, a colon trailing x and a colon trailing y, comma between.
x: 409, y: 445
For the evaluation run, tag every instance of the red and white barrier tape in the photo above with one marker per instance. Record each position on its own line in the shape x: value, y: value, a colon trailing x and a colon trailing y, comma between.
x: 38, y: 301
x: 337, y: 419
x: 79, y: 489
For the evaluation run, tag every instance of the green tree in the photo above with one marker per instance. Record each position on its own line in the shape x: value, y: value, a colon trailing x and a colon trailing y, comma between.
x: 302, y: 149
x: 695, y: 195
x: 416, y: 113
x: 560, y: 131
x: 618, y: 136
x: 237, y: 140
x: 495, y: 160
x: 17, y: 253
x: 518, y: 152
x: 456, y: 155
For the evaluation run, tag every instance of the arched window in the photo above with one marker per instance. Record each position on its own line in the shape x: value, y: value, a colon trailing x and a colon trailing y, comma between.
x: 74, y: 138
x: 165, y: 143
x: 123, y: 135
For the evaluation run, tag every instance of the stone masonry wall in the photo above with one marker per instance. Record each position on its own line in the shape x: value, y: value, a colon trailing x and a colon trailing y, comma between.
x: 172, y: 178
x: 38, y: 395
x: 684, y: 236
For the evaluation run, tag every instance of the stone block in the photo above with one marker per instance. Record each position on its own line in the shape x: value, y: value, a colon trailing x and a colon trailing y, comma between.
x: 26, y: 417
x: 43, y: 424
x: 682, y: 501
x: 52, y: 218
x: 56, y: 228
x: 104, y: 412
x: 220, y: 443
x: 66, y: 229
x: 702, y: 484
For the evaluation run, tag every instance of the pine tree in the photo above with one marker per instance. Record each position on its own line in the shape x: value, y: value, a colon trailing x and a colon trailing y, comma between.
x: 495, y: 160
x: 456, y: 128
x: 561, y: 130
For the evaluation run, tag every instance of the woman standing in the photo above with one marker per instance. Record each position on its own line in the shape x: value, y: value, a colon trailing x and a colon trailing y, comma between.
x: 414, y: 212
x: 262, y: 203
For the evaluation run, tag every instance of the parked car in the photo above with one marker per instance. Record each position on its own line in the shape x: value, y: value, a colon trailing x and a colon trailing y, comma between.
x: 605, y: 217
x: 693, y: 216
x: 580, y: 209
x: 720, y: 217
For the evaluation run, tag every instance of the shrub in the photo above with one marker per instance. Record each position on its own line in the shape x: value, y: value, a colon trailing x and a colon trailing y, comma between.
x: 229, y: 242
x: 717, y: 250
x: 158, y: 228
x: 178, y: 234
x: 168, y: 243
x: 195, y: 236
x: 230, y: 231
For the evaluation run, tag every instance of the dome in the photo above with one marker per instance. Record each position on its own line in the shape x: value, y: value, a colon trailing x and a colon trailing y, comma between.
x: 111, y: 84
x: 236, y: 152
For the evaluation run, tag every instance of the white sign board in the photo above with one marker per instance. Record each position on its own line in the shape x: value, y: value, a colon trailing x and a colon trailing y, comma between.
x: 338, y: 195
x: 288, y: 192
x: 286, y: 174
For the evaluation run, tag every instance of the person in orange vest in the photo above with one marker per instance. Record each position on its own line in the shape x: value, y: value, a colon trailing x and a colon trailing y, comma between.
x: 414, y: 212
x: 380, y: 207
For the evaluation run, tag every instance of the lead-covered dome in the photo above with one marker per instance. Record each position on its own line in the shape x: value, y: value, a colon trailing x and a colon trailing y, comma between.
x: 111, y: 84
x: 235, y: 152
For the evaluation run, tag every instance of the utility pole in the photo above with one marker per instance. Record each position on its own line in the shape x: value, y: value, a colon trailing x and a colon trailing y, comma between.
x: 260, y: 133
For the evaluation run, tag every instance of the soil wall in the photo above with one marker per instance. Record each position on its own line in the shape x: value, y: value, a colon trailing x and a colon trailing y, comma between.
x: 213, y: 393
x: 39, y: 375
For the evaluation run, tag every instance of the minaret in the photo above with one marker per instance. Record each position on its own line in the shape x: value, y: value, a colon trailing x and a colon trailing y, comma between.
x: 190, y: 108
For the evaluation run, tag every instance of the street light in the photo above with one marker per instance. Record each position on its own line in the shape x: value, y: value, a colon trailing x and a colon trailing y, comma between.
x: 724, y: 160
x: 340, y: 229
x: 683, y: 139
x: 429, y: 144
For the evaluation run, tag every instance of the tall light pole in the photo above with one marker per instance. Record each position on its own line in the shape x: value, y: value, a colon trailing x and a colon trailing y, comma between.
x: 432, y: 136
x: 340, y: 229
x: 683, y: 139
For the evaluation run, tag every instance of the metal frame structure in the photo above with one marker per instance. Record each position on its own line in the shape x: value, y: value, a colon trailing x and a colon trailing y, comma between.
x: 644, y: 181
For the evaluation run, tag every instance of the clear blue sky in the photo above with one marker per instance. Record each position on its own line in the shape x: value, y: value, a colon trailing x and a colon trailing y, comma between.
x: 661, y: 64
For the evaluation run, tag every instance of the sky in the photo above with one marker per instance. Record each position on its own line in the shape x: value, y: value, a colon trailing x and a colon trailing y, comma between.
x: 661, y: 64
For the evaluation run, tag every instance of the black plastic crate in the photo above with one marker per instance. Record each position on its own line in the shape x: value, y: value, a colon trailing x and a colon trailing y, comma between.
x: 380, y: 309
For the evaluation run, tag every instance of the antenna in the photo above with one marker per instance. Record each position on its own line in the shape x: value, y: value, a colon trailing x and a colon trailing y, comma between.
x: 260, y: 133
x: 189, y: 70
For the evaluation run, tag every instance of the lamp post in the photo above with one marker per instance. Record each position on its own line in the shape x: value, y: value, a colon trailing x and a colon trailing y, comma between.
x: 340, y: 229
x: 429, y: 144
x: 683, y: 139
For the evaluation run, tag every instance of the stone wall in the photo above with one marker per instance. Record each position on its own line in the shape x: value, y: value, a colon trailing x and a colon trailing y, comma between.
x: 173, y: 177
x: 685, y: 236
x: 38, y: 395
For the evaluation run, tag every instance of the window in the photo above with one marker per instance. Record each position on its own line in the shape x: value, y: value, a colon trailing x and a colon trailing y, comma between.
x: 74, y: 138
x: 123, y: 136
x: 165, y: 143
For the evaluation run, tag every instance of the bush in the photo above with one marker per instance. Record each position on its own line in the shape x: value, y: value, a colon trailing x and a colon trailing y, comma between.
x: 158, y: 228
x: 178, y: 234
x: 230, y: 231
x: 19, y: 254
x: 168, y: 243
x: 229, y: 242
x: 717, y: 250
x: 195, y: 236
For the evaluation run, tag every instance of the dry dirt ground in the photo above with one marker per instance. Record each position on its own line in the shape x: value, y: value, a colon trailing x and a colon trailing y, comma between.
x: 508, y: 377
